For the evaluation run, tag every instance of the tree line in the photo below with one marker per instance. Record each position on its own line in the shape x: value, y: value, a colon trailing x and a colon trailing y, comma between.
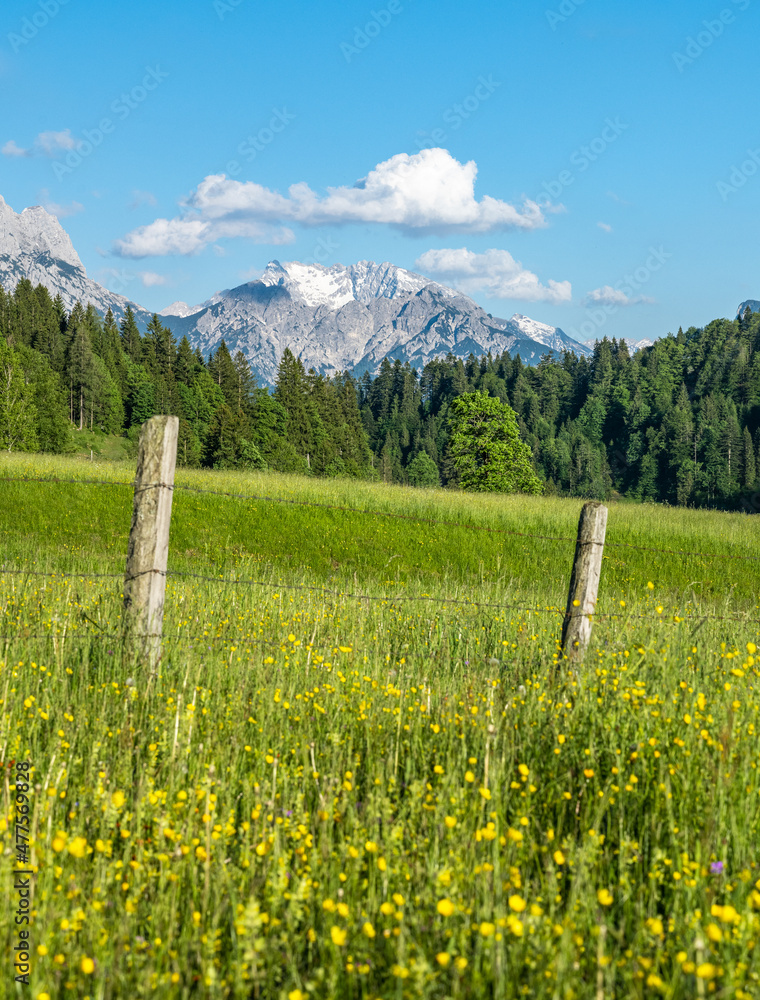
x: 678, y: 422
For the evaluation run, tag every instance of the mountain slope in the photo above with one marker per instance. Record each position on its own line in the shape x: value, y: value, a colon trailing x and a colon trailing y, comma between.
x: 34, y: 245
x: 752, y: 304
x: 350, y: 318
x: 335, y: 318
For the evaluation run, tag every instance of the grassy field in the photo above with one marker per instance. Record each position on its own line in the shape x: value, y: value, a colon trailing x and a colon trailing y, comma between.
x: 365, y: 771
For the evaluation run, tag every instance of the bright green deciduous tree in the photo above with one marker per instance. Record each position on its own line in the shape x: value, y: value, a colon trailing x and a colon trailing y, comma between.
x: 422, y: 471
x: 486, y: 448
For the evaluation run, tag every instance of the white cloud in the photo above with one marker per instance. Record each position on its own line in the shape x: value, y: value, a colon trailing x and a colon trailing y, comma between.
x: 605, y: 226
x: 49, y: 144
x: 609, y: 296
x: 494, y: 273
x: 151, y: 279
x: 425, y: 192
x: 59, y: 211
x: 53, y: 143
x: 142, y: 198
x: 12, y: 149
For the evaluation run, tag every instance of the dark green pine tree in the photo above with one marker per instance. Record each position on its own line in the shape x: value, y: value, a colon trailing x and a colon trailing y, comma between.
x: 245, y: 383
x: 292, y: 393
x: 130, y: 337
x: 750, y: 468
x: 222, y: 370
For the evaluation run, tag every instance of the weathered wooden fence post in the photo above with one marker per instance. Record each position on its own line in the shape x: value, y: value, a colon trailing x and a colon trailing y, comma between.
x: 148, y: 551
x: 584, y: 582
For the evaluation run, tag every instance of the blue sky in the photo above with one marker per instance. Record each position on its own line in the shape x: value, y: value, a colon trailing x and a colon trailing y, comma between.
x: 593, y: 165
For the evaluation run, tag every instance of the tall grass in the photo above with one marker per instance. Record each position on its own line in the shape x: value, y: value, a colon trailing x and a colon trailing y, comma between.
x: 327, y: 795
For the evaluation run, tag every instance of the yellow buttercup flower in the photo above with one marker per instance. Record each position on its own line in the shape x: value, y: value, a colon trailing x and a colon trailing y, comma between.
x: 338, y: 935
x: 605, y: 897
x: 445, y: 907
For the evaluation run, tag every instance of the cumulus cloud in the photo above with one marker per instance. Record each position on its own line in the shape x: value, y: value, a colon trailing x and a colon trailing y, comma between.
x: 494, y: 273
x: 426, y: 192
x: 12, y: 149
x: 151, y: 279
x: 142, y: 198
x: 59, y: 211
x: 50, y: 144
x: 609, y: 296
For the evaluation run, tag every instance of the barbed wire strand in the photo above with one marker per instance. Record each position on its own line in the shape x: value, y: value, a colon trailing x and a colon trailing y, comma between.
x: 374, y: 513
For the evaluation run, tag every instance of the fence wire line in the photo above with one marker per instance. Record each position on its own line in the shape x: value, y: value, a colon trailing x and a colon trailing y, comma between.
x: 375, y: 599
x: 373, y: 513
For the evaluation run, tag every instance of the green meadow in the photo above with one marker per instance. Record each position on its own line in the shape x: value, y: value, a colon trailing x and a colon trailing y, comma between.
x: 363, y: 769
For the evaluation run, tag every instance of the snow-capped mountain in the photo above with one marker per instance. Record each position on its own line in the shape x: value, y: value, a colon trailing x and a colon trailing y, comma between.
x: 350, y: 318
x: 335, y: 318
x: 633, y: 345
x: 34, y: 245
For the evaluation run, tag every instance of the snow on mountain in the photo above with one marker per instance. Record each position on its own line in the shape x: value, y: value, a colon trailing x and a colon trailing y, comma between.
x: 335, y: 318
x: 350, y: 318
x: 34, y: 245
x: 633, y: 345
x: 550, y: 336
x: 179, y: 309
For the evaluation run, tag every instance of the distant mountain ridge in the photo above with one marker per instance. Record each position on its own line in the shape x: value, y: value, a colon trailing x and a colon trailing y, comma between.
x: 350, y: 318
x: 752, y: 304
x: 34, y: 245
x: 338, y: 318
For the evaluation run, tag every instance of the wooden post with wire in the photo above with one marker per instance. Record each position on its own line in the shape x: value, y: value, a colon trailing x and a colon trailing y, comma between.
x: 584, y: 582
x: 148, y: 550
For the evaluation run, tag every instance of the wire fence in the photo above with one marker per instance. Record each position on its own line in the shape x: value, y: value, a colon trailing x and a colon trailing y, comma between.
x: 389, y: 600
x: 373, y: 513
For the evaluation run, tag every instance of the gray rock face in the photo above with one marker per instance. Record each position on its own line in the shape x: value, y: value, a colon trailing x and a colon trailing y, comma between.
x: 350, y: 318
x: 34, y: 245
x: 752, y: 304
x: 335, y: 318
